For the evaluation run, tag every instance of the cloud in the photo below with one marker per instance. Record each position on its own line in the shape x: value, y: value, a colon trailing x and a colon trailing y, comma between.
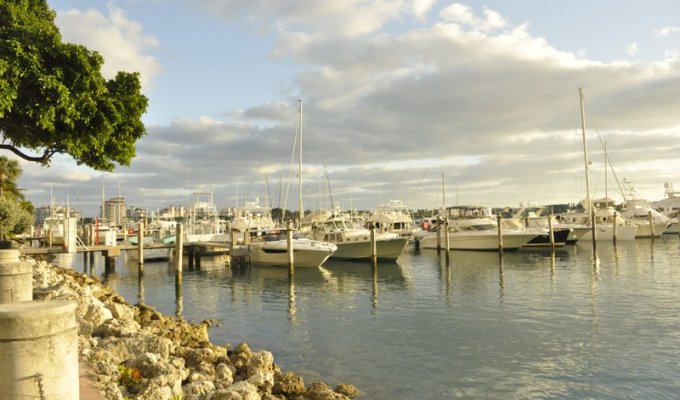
x: 667, y: 31
x: 469, y: 95
x: 632, y: 49
x: 121, y: 42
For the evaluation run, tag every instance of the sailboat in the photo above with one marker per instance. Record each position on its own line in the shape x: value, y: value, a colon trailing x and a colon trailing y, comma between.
x: 270, y: 247
x: 605, y: 222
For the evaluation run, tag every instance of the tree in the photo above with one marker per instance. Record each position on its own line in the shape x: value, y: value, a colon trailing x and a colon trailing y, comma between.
x: 14, y: 219
x: 9, y: 172
x: 54, y: 99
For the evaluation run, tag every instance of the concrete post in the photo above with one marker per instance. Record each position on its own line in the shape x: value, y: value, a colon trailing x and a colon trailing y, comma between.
x: 140, y: 247
x: 39, y: 350
x: 179, y: 245
x: 16, y: 279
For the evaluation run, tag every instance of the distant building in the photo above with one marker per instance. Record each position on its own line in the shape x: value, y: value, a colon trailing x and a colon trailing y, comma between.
x: 53, y: 211
x: 114, y: 212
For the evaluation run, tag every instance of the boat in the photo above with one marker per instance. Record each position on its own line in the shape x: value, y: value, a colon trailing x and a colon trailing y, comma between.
x: 609, y: 223
x: 605, y: 222
x: 473, y: 228
x: 272, y: 249
x: 394, y: 217
x: 650, y: 222
x: 252, y: 218
x: 202, y: 223
x: 670, y: 207
x: 353, y: 242
x: 532, y: 217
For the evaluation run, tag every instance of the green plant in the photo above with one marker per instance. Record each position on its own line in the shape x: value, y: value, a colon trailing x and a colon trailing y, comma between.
x: 128, y: 376
x: 14, y: 219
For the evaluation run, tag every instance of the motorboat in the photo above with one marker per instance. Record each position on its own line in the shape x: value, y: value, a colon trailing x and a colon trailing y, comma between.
x: 473, y: 228
x: 392, y: 216
x: 650, y: 222
x: 670, y: 207
x: 272, y: 249
x: 353, y: 242
x: 202, y: 223
x: 609, y: 223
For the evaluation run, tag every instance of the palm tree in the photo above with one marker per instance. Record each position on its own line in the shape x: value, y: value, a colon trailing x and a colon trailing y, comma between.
x: 9, y: 172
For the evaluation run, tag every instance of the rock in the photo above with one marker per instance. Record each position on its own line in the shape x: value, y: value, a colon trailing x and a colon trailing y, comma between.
x: 288, y: 384
x: 198, y: 390
x: 224, y: 373
x: 262, y: 361
x: 264, y: 381
x: 97, y: 313
x: 347, y: 390
x: 321, y: 391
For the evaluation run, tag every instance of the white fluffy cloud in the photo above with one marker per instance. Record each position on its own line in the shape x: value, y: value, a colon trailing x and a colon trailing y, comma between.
x: 122, y: 42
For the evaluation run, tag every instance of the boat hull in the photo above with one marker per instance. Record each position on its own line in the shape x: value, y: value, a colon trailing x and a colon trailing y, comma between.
x: 645, y: 229
x: 478, y: 241
x: 388, y: 249
x: 276, y: 253
x: 606, y: 233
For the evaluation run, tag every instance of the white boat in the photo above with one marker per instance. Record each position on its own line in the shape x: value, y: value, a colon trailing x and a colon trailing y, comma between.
x: 531, y: 217
x: 272, y: 249
x: 650, y: 222
x: 202, y: 223
x: 609, y: 223
x: 670, y: 207
x: 252, y: 218
x: 353, y: 242
x: 394, y: 217
x: 474, y: 228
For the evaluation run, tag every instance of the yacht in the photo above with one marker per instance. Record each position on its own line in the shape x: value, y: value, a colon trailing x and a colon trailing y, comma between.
x: 609, y: 223
x: 353, y: 242
x: 393, y: 217
x: 474, y: 228
x: 650, y: 222
x: 670, y: 207
x: 202, y: 223
x: 272, y: 249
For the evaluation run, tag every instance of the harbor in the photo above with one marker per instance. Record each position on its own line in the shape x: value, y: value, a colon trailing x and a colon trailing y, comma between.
x: 534, y: 323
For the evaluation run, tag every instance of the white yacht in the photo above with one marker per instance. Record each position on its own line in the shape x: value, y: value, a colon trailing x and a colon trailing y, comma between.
x: 394, y: 217
x: 670, y: 207
x: 474, y: 228
x: 252, y: 218
x: 353, y: 242
x: 272, y: 249
x: 609, y: 223
x: 650, y: 222
x: 202, y: 223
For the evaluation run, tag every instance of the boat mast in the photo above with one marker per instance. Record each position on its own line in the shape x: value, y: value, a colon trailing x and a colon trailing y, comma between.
x: 302, y: 212
x: 585, y: 159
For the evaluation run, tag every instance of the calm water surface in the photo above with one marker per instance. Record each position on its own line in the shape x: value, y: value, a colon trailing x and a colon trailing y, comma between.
x: 531, y: 325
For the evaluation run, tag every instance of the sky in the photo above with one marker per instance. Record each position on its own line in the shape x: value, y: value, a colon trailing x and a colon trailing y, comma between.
x: 400, y: 99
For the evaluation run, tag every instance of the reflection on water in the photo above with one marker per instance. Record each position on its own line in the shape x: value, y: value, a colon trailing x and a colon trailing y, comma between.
x: 530, y: 324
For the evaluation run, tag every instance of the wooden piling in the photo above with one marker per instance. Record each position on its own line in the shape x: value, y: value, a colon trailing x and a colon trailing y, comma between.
x: 289, y: 244
x: 447, y: 235
x: 178, y: 248
x: 551, y: 231
x: 499, y: 222
x: 140, y: 248
x: 651, y: 224
x: 374, y: 246
x: 439, y: 234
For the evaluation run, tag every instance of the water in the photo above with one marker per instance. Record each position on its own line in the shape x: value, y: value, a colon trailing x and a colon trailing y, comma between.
x: 532, y: 325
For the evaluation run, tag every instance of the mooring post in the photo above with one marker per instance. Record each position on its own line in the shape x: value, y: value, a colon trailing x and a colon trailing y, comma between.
x: 499, y: 221
x: 289, y: 244
x: 551, y: 231
x: 651, y: 224
x: 178, y: 248
x: 140, y: 247
x: 447, y: 235
x: 439, y: 233
x: 615, y: 228
x: 374, y: 246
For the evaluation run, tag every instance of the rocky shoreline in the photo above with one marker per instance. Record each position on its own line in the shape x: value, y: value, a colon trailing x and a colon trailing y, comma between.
x: 135, y: 352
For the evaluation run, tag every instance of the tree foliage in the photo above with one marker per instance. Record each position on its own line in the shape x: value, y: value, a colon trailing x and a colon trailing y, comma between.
x: 54, y: 99
x: 14, y: 219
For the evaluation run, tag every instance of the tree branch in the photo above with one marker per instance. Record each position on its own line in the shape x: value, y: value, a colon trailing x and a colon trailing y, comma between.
x: 44, y: 159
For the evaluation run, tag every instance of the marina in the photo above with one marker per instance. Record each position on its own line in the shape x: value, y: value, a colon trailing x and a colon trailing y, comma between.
x: 534, y: 323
